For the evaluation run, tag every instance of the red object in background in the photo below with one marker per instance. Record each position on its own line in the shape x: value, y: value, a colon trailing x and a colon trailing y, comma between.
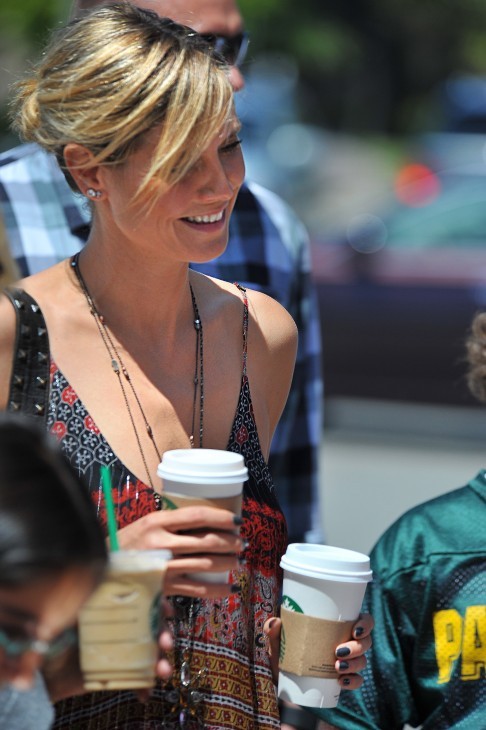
x: 416, y: 185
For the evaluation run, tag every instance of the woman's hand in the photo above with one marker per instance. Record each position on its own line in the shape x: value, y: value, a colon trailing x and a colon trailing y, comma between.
x: 350, y: 657
x: 202, y: 539
x: 166, y: 642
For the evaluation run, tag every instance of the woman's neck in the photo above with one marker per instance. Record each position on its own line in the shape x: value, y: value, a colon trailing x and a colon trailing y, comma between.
x: 137, y: 293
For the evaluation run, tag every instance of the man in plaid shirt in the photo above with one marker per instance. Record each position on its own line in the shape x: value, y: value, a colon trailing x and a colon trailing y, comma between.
x: 268, y: 250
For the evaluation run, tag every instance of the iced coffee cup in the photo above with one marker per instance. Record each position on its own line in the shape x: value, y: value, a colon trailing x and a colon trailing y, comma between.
x: 323, y: 589
x: 119, y: 624
x: 211, y: 477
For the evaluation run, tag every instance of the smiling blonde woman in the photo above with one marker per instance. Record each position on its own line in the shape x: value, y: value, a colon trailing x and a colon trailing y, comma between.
x: 139, y: 354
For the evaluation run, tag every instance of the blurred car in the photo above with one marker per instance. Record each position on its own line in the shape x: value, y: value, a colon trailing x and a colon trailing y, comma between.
x: 399, y: 286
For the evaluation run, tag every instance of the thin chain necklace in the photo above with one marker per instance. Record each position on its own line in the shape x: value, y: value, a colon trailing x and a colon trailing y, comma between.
x: 119, y: 369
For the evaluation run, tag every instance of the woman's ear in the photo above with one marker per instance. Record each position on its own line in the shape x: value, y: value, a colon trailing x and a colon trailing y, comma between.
x: 83, y: 169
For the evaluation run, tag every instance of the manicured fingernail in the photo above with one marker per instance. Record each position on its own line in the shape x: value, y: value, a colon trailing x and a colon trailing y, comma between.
x: 241, y: 560
x: 346, y: 681
x: 343, y: 651
x: 237, y: 520
x: 343, y: 666
x: 235, y: 588
x: 246, y: 545
x: 359, y: 632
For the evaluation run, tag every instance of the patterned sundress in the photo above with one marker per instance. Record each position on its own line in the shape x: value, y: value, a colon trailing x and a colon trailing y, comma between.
x: 226, y: 635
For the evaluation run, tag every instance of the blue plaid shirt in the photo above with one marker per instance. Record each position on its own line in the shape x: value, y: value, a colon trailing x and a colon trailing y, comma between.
x: 268, y: 250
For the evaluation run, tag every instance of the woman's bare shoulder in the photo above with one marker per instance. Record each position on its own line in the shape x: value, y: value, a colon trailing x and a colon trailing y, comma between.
x: 273, y: 322
x: 271, y: 317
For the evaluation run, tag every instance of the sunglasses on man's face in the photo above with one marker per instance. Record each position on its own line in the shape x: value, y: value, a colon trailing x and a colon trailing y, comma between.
x: 233, y: 48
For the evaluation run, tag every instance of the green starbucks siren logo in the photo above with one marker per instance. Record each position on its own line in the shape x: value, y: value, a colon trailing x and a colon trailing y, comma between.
x: 291, y: 605
x: 168, y: 503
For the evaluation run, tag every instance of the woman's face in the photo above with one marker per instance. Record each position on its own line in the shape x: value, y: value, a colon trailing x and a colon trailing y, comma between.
x: 40, y: 611
x: 189, y: 221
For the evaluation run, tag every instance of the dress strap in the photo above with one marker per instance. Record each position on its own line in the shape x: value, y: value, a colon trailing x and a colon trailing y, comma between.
x: 245, y: 323
x: 29, y: 385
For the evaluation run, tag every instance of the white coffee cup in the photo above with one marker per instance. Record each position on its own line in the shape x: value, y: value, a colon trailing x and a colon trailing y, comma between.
x: 212, y: 477
x: 322, y: 582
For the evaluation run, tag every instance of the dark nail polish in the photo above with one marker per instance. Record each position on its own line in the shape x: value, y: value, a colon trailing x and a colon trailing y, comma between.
x: 237, y: 520
x: 235, y: 588
x: 346, y: 681
x: 246, y: 545
x: 343, y: 666
x: 241, y: 560
x: 343, y: 651
x: 359, y: 632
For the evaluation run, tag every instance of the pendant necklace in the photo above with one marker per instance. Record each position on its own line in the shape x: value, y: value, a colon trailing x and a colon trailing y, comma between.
x: 125, y: 380
x: 184, y: 693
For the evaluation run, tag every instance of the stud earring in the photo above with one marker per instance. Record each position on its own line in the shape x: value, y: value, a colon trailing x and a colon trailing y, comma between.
x: 92, y: 193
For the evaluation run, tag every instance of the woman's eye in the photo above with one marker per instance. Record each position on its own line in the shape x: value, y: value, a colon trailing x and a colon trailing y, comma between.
x: 231, y: 146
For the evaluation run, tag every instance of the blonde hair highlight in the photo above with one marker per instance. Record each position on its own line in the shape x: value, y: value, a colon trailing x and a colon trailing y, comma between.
x: 109, y: 77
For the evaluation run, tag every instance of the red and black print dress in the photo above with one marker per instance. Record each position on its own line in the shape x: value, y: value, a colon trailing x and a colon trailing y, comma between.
x: 227, y: 634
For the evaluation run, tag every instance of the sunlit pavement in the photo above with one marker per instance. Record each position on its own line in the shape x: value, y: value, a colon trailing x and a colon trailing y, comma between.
x: 381, y: 458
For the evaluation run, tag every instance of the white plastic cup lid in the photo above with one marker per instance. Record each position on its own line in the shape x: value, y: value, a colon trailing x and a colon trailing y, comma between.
x: 327, y: 562
x: 203, y: 466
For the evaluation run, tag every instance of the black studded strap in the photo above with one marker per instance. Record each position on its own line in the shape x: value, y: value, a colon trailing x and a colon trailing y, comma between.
x: 29, y: 385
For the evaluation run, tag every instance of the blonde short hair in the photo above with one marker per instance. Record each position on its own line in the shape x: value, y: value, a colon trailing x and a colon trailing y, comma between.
x: 109, y: 77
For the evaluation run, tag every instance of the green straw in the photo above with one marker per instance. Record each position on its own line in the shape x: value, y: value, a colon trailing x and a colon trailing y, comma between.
x: 110, y: 510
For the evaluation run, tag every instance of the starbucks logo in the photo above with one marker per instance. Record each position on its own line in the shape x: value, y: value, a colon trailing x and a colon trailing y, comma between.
x: 291, y: 605
x: 168, y: 503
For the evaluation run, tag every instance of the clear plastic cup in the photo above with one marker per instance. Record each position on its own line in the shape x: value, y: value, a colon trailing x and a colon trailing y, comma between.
x: 119, y: 624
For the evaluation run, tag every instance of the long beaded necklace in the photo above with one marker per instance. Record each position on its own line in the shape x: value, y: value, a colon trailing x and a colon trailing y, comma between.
x: 124, y: 378
x: 184, y: 694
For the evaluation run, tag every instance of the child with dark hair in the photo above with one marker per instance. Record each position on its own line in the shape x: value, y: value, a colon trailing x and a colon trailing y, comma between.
x: 52, y: 556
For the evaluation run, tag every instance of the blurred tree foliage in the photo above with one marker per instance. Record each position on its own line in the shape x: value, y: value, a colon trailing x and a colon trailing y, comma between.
x: 29, y: 20
x: 372, y: 65
x: 365, y: 65
x: 24, y: 27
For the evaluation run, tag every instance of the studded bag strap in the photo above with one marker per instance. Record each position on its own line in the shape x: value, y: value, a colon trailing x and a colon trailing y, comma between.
x: 29, y: 385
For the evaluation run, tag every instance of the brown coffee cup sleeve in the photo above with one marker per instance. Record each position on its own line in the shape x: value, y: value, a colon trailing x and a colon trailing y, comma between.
x: 175, y: 501
x: 307, y: 644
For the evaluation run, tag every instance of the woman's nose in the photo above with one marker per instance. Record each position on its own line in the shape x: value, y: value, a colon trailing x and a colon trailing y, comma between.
x: 216, y: 182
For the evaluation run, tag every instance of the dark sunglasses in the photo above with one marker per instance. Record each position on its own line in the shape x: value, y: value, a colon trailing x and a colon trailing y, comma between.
x: 15, y: 647
x: 233, y: 48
